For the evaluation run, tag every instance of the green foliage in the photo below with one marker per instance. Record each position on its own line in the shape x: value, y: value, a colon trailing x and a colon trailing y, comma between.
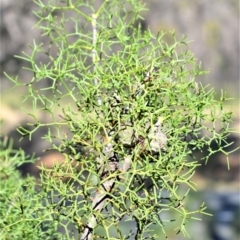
x: 132, y: 117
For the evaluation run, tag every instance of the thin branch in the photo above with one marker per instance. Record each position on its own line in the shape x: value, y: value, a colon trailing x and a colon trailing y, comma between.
x: 94, y: 53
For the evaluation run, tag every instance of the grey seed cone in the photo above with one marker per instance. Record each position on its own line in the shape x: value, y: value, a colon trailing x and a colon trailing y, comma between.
x: 158, y: 137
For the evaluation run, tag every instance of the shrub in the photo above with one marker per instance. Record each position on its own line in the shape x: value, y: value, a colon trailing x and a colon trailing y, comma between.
x: 132, y: 117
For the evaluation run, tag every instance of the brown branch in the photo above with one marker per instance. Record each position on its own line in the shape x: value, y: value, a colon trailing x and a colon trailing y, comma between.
x: 107, y: 186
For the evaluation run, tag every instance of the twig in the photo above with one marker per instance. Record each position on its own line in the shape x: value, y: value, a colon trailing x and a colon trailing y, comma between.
x: 94, y: 52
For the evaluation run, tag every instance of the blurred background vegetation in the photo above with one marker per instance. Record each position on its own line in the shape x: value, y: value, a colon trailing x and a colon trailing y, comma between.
x: 213, y: 27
